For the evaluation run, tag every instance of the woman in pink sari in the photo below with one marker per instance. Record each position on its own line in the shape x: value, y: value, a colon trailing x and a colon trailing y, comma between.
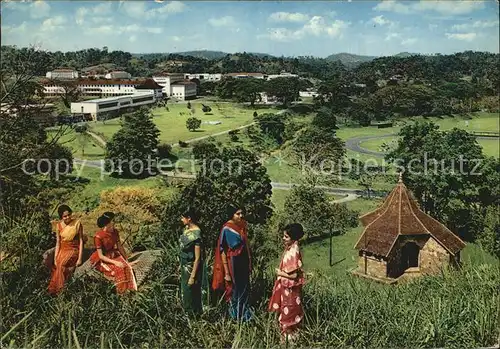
x: 286, y: 297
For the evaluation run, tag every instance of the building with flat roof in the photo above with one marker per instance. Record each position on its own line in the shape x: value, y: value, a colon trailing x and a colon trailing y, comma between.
x: 246, y: 75
x: 166, y: 80
x: 183, y: 90
x: 104, y: 87
x: 203, y: 76
x: 93, y: 109
x: 62, y: 73
x: 118, y: 74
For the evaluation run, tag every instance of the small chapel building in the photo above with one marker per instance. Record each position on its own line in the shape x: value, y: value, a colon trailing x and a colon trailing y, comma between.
x: 400, y: 241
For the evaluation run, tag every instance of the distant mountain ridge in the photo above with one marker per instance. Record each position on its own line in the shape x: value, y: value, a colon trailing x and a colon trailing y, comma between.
x: 348, y: 59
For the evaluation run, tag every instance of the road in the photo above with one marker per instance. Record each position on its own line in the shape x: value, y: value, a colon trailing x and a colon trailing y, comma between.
x: 354, y: 144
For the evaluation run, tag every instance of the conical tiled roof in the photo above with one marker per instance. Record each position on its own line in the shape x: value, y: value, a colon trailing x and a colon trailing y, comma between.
x: 400, y: 215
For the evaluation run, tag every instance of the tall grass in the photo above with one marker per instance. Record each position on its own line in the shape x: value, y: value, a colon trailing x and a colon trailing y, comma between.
x: 455, y: 309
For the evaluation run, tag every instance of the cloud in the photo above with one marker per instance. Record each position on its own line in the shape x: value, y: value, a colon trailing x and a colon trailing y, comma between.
x: 445, y: 7
x: 132, y: 38
x: 9, y: 29
x: 279, y: 34
x: 380, y: 20
x: 94, y: 13
x: 316, y: 26
x: 409, y: 41
x: 288, y: 17
x: 126, y: 29
x: 476, y: 24
x: 139, y: 9
x: 53, y: 24
x: 226, y: 21
x: 171, y: 7
x: 136, y: 9
x: 39, y: 9
x: 391, y: 36
x: 432, y: 26
x: 462, y: 36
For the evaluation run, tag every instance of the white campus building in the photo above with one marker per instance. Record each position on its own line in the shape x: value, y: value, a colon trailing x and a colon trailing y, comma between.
x: 167, y: 79
x: 62, y: 74
x: 119, y: 74
x: 282, y: 75
x: 183, y: 90
x: 104, y: 87
x: 203, y: 77
x: 94, y: 108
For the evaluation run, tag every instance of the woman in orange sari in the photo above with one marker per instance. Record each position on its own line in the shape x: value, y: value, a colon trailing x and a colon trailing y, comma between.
x: 109, y: 257
x: 286, y: 296
x: 69, y: 249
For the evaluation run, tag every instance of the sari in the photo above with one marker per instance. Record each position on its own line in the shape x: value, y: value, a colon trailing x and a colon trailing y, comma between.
x: 192, y: 295
x: 123, y: 278
x: 286, y: 296
x: 233, y: 241
x: 67, y: 256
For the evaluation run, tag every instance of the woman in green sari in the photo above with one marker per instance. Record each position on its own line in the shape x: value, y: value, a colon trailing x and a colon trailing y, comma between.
x: 193, y: 278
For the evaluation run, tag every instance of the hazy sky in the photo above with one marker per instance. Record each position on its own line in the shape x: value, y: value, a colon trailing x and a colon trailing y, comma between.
x: 279, y: 28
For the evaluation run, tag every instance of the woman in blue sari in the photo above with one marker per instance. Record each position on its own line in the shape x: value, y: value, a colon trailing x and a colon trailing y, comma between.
x: 232, y: 266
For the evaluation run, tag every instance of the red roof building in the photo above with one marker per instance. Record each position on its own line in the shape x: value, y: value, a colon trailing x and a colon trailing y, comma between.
x: 400, y: 240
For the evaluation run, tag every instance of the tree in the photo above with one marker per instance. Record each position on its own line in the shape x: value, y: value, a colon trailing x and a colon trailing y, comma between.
x: 248, y: 90
x: 205, y: 149
x: 272, y: 125
x: 231, y: 175
x: 83, y: 141
x: 312, y: 208
x: 22, y: 137
x: 319, y: 149
x: 193, y: 123
x: 286, y: 90
x: 448, y: 175
x: 133, y: 145
x: 325, y: 119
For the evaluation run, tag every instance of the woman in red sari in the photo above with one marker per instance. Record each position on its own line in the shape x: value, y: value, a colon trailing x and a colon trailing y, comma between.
x: 69, y: 249
x: 286, y: 297
x: 109, y: 257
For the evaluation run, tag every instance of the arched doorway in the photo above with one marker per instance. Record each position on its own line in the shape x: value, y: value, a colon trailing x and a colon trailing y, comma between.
x: 409, y: 255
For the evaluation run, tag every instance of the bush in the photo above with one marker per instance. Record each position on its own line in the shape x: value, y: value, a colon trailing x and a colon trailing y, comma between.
x: 164, y: 150
x: 233, y: 135
x: 188, y: 105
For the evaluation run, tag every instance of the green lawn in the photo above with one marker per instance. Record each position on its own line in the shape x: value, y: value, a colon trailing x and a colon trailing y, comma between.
x: 96, y: 183
x: 477, y: 122
x: 490, y: 146
x: 76, y: 141
x: 172, y: 125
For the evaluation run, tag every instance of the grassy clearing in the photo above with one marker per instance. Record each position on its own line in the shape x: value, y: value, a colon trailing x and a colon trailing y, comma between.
x: 477, y: 122
x: 76, y: 141
x: 94, y: 184
x: 172, y: 125
x: 490, y: 146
